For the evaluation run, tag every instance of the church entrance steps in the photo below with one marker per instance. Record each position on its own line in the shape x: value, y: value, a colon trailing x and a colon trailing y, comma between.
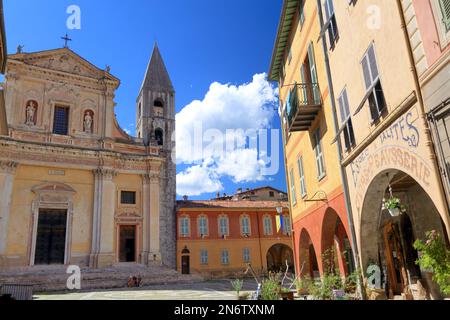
x: 54, y: 278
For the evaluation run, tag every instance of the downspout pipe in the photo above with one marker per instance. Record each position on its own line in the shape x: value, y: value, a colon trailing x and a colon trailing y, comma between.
x: 418, y: 89
x: 343, y: 173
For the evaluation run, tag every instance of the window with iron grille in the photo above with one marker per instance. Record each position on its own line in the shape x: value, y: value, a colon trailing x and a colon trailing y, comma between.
x: 128, y: 197
x: 375, y: 95
x: 346, y: 120
x: 320, y: 161
x: 61, y: 121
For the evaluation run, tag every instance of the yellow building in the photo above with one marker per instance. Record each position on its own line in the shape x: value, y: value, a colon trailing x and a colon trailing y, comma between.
x: 314, y: 178
x: 221, y: 237
x: 74, y: 187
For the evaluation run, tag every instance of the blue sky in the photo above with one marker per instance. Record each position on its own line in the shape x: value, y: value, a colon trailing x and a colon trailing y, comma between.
x: 202, y: 42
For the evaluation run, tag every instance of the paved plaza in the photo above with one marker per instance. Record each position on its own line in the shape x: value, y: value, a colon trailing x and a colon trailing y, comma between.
x: 209, y: 290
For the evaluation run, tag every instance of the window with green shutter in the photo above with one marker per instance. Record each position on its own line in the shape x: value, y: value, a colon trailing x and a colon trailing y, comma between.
x: 445, y: 8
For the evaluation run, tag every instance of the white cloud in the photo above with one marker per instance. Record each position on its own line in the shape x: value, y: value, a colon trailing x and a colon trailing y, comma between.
x: 197, y: 180
x: 204, y: 139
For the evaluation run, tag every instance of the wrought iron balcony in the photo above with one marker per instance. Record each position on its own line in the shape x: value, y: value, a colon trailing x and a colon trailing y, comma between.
x: 305, y: 104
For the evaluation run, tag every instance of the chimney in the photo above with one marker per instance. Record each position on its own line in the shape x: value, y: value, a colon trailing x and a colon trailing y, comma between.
x: 239, y: 190
x: 185, y: 198
x: 218, y: 195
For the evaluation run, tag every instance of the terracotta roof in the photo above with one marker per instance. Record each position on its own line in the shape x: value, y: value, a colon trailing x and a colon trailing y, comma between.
x: 230, y: 204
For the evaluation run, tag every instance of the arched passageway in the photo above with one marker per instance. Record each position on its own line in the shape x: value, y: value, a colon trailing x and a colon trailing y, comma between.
x: 309, y: 265
x: 277, y: 257
x: 337, y: 254
x: 387, y: 237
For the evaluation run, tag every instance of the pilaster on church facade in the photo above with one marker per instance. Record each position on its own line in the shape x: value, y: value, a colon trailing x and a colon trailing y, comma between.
x: 7, y: 172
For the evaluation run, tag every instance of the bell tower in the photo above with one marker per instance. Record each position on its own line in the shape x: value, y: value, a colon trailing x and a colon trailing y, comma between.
x: 155, y: 114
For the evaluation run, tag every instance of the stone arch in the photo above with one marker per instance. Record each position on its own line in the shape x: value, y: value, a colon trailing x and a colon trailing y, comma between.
x: 277, y: 256
x: 386, y: 240
x: 335, y: 245
x: 309, y: 265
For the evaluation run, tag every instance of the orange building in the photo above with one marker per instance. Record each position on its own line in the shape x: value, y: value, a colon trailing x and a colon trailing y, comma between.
x: 220, y: 237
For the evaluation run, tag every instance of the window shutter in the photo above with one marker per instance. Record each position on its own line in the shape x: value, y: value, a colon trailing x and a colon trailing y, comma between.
x: 312, y: 63
x: 445, y: 8
x: 373, y: 63
x: 341, y: 108
x: 366, y: 71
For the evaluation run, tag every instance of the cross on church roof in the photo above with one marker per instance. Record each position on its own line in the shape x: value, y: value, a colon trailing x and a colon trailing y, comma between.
x: 66, y: 40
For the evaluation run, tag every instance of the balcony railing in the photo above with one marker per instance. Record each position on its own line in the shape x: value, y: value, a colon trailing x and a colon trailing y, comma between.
x: 305, y: 104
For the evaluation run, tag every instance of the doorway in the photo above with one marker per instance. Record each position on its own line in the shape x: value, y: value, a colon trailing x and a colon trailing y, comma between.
x: 185, y: 265
x: 127, y: 243
x: 51, y: 237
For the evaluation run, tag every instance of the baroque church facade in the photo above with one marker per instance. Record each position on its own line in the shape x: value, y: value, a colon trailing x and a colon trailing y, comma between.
x: 76, y: 189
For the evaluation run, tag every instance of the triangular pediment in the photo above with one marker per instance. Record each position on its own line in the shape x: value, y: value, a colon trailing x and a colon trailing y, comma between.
x: 63, y: 60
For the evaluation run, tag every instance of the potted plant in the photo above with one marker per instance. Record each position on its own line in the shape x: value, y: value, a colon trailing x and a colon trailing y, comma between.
x: 394, y: 206
x: 302, y: 285
x: 435, y: 258
x: 271, y: 289
x: 237, y: 286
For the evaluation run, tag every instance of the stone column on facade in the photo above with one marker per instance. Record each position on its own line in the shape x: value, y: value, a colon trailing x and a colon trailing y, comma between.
x: 154, y: 246
x: 102, y: 250
x: 7, y: 172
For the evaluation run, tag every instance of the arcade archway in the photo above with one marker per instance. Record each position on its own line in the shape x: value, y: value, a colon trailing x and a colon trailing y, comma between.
x: 307, y: 255
x: 387, y: 240
x: 337, y: 254
x: 277, y: 257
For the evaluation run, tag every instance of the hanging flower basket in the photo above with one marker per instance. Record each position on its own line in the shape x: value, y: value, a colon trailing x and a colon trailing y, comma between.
x: 394, y: 212
x: 394, y: 206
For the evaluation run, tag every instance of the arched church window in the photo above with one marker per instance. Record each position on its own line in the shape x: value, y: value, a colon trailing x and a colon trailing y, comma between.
x: 159, y: 136
x: 88, y: 121
x: 31, y: 109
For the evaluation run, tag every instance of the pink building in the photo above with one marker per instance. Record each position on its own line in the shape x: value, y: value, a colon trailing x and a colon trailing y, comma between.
x: 428, y: 25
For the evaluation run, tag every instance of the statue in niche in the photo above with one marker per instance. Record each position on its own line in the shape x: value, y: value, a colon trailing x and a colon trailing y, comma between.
x: 31, y: 114
x: 88, y: 122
